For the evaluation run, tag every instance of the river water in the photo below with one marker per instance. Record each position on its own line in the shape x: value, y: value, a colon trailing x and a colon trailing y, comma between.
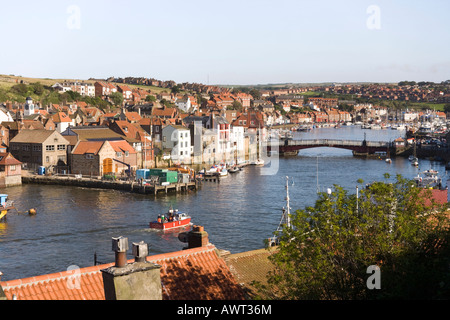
x: 238, y: 213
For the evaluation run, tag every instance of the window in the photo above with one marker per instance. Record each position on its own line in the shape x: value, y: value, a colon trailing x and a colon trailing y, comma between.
x: 26, y: 147
x: 50, y: 148
x: 118, y: 154
x: 12, y: 168
x: 89, y: 156
x: 126, y: 153
x: 61, y: 147
x: 47, y: 159
x: 37, y: 148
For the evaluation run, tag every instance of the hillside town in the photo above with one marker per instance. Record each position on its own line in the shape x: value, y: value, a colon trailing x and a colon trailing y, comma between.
x: 150, y: 128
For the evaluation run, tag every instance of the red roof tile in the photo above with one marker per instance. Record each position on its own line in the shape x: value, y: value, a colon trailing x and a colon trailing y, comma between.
x: 191, y: 274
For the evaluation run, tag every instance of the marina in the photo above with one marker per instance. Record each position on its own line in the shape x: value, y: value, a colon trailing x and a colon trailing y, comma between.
x: 73, y: 223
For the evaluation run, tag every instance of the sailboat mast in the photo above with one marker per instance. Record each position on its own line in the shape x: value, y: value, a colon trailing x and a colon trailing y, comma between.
x: 288, y: 208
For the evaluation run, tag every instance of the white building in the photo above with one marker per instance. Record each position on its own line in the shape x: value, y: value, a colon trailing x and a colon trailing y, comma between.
x: 184, y: 104
x: 238, y: 144
x: 5, y: 115
x: 409, y: 116
x: 222, y: 130
x: 83, y: 88
x: 178, y: 139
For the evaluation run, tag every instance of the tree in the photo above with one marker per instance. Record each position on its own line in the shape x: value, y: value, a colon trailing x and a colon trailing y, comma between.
x: 150, y: 98
x: 74, y: 96
x: 20, y: 88
x: 176, y: 89
x: 116, y: 98
x: 447, y: 108
x: 327, y: 251
x: 256, y: 94
x: 236, y: 105
x: 37, y: 88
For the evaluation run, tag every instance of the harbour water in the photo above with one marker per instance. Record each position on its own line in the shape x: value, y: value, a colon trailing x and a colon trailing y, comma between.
x: 241, y: 211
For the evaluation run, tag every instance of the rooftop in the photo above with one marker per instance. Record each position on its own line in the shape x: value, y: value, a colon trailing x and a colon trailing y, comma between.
x: 191, y: 274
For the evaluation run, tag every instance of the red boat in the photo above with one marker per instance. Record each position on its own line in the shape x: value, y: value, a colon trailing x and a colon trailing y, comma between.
x: 173, y: 219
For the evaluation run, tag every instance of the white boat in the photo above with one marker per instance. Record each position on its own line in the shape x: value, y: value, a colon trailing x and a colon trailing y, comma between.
x: 428, y: 179
x: 411, y: 158
x: 375, y: 127
x: 223, y: 172
x: 233, y: 169
x: 258, y: 162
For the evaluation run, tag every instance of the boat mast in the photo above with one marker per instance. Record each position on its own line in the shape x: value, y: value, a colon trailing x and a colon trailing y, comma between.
x: 287, y: 212
x: 285, y: 217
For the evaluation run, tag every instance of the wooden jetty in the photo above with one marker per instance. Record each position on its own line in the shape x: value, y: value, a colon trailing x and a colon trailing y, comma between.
x: 132, y: 186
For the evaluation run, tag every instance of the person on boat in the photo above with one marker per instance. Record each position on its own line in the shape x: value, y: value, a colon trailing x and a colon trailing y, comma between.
x: 159, y: 218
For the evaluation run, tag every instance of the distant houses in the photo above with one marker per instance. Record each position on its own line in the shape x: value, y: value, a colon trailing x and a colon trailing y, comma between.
x: 199, y: 124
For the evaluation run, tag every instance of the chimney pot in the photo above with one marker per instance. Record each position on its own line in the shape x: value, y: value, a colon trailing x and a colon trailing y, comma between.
x: 140, y: 251
x: 120, y: 247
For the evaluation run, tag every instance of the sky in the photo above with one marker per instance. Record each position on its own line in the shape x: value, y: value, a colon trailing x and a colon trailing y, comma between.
x: 228, y: 42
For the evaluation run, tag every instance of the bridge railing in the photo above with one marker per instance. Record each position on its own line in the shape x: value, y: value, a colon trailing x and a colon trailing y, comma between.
x: 330, y: 142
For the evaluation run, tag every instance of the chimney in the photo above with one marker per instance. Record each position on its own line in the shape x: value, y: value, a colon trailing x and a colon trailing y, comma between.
x: 195, y: 238
x: 120, y: 247
x: 139, y: 280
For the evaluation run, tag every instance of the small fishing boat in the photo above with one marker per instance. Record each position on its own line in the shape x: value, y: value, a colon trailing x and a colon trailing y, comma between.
x: 5, y: 205
x: 172, y: 219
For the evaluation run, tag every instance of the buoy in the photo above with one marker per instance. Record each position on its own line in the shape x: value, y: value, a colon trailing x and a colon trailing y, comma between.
x: 32, y: 211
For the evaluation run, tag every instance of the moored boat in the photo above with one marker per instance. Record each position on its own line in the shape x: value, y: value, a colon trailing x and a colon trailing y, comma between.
x: 5, y: 205
x: 173, y: 219
x: 233, y: 169
x: 258, y: 162
x: 429, y: 179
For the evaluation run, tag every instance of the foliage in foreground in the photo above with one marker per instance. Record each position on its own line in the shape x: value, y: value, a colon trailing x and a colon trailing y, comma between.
x: 329, y: 247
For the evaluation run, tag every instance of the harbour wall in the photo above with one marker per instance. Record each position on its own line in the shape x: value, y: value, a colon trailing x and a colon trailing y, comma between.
x: 132, y: 186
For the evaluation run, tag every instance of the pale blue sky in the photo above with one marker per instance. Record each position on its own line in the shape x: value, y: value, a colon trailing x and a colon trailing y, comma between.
x: 228, y: 42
